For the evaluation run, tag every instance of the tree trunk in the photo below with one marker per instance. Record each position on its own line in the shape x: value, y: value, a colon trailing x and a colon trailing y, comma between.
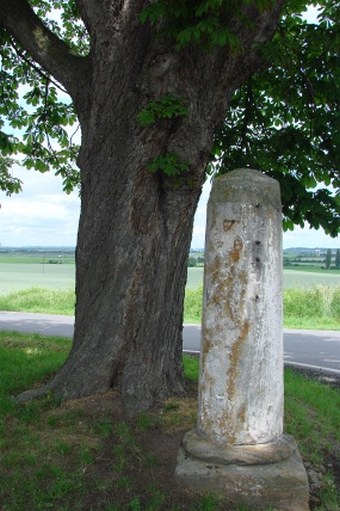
x: 132, y: 254
x: 135, y: 226
x: 133, y: 243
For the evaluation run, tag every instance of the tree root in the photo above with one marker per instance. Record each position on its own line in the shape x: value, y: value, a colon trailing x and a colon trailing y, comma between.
x: 29, y: 395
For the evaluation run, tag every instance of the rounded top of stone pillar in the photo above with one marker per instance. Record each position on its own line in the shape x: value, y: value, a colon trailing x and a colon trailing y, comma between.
x: 246, y: 186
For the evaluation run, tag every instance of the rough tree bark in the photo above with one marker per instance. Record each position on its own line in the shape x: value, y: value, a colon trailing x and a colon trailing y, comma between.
x: 135, y: 226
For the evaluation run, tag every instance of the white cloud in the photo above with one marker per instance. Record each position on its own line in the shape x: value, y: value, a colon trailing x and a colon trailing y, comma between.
x: 309, y: 238
x: 41, y: 207
x: 198, y: 235
x: 44, y: 215
x: 41, y: 215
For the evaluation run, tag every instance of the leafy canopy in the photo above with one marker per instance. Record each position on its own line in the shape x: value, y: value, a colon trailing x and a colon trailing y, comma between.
x: 284, y: 120
x: 36, y: 114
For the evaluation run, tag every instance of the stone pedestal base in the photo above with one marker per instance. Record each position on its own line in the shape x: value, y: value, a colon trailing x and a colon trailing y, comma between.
x: 258, y: 476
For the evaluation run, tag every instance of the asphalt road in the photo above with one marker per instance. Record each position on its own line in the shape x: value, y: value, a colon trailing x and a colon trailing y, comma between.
x: 308, y: 349
x: 318, y: 350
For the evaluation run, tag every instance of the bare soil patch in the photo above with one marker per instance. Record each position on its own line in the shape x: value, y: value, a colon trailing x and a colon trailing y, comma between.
x: 133, y: 462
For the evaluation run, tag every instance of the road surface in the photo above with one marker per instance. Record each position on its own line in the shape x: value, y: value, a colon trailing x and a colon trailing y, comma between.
x: 318, y: 350
x: 309, y: 349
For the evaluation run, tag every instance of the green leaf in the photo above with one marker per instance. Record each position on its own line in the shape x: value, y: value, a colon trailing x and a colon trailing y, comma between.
x: 285, y: 121
x: 8, y: 183
x: 169, y: 163
x: 165, y: 107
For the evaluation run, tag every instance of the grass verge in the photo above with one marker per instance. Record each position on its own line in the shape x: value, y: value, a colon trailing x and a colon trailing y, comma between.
x: 312, y: 308
x: 41, y: 300
x: 317, y: 307
x: 86, y: 455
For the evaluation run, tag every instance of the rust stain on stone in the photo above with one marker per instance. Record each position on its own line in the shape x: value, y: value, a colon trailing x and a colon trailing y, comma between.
x: 207, y: 342
x: 235, y: 299
x: 227, y: 224
x: 235, y: 357
x: 241, y: 414
x: 217, y: 287
x: 214, y: 269
x: 209, y: 380
x: 235, y: 253
x: 223, y: 290
x: 207, y: 421
x: 231, y: 379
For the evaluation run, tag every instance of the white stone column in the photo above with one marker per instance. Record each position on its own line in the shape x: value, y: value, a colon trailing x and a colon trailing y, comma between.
x: 241, y: 375
x: 238, y: 447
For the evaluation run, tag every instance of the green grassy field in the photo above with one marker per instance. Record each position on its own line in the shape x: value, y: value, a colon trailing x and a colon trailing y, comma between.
x: 18, y: 275
x: 314, y: 269
x: 306, y: 278
x: 37, y: 258
x: 292, y: 278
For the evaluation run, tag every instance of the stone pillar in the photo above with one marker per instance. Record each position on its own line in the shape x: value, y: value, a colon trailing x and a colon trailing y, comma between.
x: 238, y: 446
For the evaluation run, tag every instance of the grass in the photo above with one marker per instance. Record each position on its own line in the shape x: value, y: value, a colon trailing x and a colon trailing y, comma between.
x: 39, y: 300
x: 86, y: 455
x: 312, y: 416
x: 306, y: 401
x: 316, y: 308
x: 193, y: 305
x: 35, y: 356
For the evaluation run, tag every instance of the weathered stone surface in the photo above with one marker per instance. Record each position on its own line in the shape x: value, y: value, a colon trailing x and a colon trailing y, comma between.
x: 238, y: 448
x: 241, y: 380
x: 225, y: 454
x: 282, y: 486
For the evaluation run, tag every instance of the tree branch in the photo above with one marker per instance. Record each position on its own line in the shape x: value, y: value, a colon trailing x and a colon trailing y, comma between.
x: 88, y: 11
x: 34, y: 66
x: 53, y: 54
x: 108, y: 12
x: 249, y: 103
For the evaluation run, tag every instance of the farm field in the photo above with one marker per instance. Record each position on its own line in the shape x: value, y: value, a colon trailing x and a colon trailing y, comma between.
x: 291, y: 278
x: 37, y: 258
x: 15, y: 276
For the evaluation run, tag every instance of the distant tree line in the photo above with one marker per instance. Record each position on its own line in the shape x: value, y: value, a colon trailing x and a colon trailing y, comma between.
x: 195, y: 261
x: 328, y: 259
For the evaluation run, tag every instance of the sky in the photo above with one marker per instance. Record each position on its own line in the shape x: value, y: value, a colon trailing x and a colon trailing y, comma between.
x: 44, y: 215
